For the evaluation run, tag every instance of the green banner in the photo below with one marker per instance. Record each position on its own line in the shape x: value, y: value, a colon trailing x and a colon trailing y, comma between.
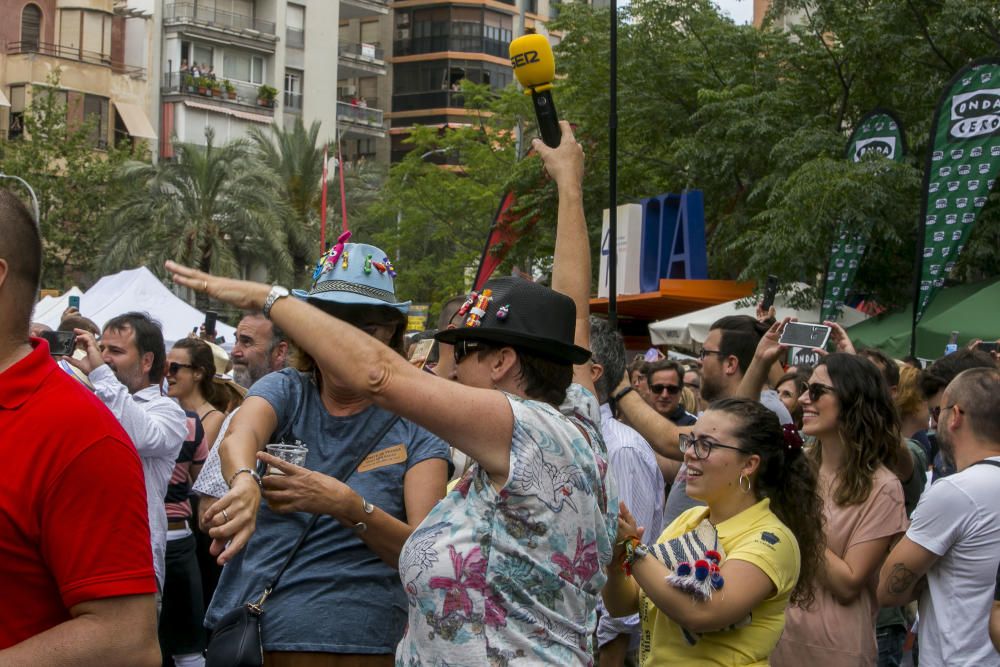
x: 878, y: 134
x: 961, y: 170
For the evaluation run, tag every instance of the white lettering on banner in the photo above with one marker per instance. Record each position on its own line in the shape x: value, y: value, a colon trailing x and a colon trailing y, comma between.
x: 933, y: 187
x: 884, y: 146
x: 931, y: 220
x: 953, y: 185
x: 984, y: 168
x: 928, y: 252
x: 951, y: 218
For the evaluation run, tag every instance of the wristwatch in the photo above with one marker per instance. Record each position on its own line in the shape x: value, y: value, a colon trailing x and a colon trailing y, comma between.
x: 361, y: 526
x: 277, y: 292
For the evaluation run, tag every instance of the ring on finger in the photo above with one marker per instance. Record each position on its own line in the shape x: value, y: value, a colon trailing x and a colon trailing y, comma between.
x: 225, y: 515
x: 204, y: 285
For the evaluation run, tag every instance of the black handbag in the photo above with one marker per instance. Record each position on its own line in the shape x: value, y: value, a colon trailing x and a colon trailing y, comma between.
x: 236, y: 638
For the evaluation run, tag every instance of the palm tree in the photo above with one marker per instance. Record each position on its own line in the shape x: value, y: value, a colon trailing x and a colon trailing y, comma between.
x: 212, y: 208
x: 295, y: 157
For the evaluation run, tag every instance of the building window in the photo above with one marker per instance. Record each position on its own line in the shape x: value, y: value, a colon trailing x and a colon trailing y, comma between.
x: 370, y: 33
x: 95, y: 112
x: 295, y: 26
x: 15, y: 123
x: 31, y: 26
x: 243, y: 67
x: 293, y: 90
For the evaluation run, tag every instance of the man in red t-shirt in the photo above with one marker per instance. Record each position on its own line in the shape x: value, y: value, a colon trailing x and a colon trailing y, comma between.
x: 78, y: 583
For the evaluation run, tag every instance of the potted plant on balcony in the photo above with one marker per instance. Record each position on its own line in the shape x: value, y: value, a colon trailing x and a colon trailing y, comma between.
x: 266, y: 95
x: 202, y: 85
x: 230, y: 89
x: 216, y: 88
x: 189, y: 83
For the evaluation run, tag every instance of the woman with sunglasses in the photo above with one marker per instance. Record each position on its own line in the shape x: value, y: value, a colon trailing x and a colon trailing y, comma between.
x: 191, y: 380
x: 505, y: 569
x: 763, y: 517
x: 848, y: 412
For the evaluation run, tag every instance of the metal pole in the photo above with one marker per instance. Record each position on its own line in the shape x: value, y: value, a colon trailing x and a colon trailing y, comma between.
x: 613, y: 173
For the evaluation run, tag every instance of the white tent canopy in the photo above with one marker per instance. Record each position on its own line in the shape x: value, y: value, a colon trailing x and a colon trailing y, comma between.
x: 137, y: 290
x: 50, y: 309
x: 693, y: 327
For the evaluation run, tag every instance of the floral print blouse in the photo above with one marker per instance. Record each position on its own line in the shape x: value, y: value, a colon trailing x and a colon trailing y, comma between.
x: 511, y: 577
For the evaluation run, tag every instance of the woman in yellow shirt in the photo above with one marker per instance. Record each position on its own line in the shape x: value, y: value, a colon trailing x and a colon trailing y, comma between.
x: 764, y: 519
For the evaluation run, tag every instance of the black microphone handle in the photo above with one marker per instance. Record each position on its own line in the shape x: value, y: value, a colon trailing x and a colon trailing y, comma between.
x: 548, y: 119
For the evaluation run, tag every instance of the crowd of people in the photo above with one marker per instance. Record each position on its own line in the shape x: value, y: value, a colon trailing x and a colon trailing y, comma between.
x: 518, y: 494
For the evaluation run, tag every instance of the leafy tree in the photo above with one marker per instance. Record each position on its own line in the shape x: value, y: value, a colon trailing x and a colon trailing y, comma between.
x: 213, y: 208
x: 70, y: 177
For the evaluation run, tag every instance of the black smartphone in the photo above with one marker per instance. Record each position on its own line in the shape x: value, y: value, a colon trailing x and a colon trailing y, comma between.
x: 210, y: 317
x: 74, y: 302
x: 770, y: 291
x: 987, y: 346
x: 61, y: 343
x: 800, y: 334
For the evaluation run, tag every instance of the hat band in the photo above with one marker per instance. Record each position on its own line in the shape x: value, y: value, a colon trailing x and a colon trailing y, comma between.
x: 354, y: 288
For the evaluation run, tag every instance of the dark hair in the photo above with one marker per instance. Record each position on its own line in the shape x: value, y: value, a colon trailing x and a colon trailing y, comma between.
x: 21, y: 246
x: 801, y: 380
x: 639, y: 364
x: 885, y: 363
x: 868, y: 423
x: 79, y: 322
x: 203, y: 360
x: 608, y: 349
x: 349, y: 314
x: 977, y: 392
x: 544, y: 380
x: 938, y: 375
x: 912, y: 361
x: 148, y: 338
x: 448, y: 310
x: 788, y: 478
x: 665, y: 365
x: 739, y: 337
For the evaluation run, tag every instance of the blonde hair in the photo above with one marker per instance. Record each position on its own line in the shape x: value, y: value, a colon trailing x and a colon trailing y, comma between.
x: 909, y: 396
x: 688, y: 400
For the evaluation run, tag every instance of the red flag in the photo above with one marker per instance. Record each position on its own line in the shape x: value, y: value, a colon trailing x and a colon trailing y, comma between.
x: 500, y: 240
x: 322, y: 209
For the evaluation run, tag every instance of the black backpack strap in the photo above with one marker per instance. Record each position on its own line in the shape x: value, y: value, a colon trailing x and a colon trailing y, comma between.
x: 987, y: 462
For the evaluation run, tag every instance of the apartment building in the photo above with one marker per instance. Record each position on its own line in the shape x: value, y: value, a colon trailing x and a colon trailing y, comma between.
x: 102, y: 49
x: 230, y: 65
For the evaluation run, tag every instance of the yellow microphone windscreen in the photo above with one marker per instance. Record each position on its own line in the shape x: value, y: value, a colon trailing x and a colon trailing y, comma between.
x: 534, y: 65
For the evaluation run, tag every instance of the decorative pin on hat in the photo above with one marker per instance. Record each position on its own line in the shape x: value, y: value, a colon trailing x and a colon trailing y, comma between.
x: 479, y: 310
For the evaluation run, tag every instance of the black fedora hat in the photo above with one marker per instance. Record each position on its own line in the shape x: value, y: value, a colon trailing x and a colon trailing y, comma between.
x: 516, y: 312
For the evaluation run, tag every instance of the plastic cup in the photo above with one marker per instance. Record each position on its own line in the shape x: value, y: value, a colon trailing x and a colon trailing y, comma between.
x: 295, y: 454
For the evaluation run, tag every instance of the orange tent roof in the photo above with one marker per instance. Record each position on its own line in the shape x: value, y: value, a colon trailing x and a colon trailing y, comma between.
x: 676, y: 297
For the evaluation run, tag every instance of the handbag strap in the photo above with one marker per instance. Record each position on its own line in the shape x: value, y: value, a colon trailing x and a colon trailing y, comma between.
x: 373, y: 443
x: 988, y: 462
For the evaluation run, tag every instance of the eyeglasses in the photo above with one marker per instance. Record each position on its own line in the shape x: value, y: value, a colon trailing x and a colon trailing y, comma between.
x: 175, y: 367
x: 464, y: 348
x: 671, y: 389
x: 816, y: 391
x: 704, y: 353
x: 702, y: 447
x: 936, y: 411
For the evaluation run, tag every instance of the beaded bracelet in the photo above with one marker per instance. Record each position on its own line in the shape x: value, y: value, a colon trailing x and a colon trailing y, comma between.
x: 630, y: 543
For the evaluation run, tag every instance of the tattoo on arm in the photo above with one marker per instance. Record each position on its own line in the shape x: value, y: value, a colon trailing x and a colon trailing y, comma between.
x: 901, y: 579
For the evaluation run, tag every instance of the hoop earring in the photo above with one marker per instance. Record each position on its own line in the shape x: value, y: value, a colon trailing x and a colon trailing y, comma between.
x: 749, y: 488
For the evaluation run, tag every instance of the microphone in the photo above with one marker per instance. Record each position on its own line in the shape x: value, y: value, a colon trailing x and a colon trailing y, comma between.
x: 535, y: 67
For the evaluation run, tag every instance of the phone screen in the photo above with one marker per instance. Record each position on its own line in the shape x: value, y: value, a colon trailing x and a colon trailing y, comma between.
x: 770, y: 291
x: 988, y: 347
x: 74, y: 302
x: 799, y: 334
x: 60, y: 342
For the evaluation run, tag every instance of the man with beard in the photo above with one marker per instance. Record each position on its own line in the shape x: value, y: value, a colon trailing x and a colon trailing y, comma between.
x: 949, y: 556
x: 126, y: 372
x: 725, y: 356
x: 260, y: 348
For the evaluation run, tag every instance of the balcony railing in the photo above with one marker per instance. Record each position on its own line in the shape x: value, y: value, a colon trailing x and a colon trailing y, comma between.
x: 368, y: 52
x: 355, y: 113
x: 295, y: 38
x: 438, y: 43
x: 75, y: 53
x: 293, y: 102
x: 427, y: 100
x: 197, y: 13
x: 184, y: 84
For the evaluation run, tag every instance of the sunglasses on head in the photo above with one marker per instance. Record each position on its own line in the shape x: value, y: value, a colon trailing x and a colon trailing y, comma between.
x: 672, y: 389
x: 174, y: 368
x: 816, y: 391
x: 464, y: 348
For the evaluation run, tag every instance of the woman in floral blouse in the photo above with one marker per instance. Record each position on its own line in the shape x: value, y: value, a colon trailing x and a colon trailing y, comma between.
x: 505, y: 570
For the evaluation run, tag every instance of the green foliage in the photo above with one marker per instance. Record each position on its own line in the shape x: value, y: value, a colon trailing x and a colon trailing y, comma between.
x: 71, y: 179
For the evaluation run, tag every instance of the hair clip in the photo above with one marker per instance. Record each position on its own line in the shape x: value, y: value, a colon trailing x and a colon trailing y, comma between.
x: 502, y: 312
x: 793, y: 440
x: 389, y: 267
x: 479, y: 310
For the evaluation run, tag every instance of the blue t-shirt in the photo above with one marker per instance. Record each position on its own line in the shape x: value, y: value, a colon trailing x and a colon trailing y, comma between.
x: 337, y: 596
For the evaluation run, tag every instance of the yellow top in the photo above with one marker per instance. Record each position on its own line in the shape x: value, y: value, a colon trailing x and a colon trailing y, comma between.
x: 756, y: 536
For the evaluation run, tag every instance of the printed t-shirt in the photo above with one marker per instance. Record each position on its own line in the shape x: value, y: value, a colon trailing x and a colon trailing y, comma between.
x: 958, y: 519
x: 512, y: 576
x: 73, y: 523
x: 831, y: 633
x: 337, y: 596
x: 757, y: 536
x: 194, y: 451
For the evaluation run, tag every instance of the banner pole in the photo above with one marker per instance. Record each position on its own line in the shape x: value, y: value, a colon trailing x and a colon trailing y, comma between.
x: 613, y: 173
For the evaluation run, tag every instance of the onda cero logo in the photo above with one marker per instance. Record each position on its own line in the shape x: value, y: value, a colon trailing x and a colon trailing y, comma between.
x: 975, y: 114
x: 883, y: 146
x: 522, y: 59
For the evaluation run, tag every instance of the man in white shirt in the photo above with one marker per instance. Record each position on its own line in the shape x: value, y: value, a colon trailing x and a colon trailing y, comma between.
x: 948, y: 559
x: 126, y: 371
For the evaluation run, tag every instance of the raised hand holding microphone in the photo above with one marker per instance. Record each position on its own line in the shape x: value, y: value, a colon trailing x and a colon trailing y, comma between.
x: 535, y: 68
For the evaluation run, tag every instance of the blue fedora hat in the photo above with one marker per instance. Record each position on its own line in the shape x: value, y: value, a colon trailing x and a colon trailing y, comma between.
x: 354, y: 274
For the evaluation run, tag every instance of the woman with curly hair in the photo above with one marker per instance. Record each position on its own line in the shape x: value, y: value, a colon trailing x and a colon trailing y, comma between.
x: 763, y: 525
x: 789, y: 387
x: 849, y: 412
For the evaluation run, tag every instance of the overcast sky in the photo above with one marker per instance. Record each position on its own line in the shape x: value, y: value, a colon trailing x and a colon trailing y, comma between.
x: 740, y: 10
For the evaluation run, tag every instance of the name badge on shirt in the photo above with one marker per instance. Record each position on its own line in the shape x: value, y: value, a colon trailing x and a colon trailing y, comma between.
x: 384, y: 457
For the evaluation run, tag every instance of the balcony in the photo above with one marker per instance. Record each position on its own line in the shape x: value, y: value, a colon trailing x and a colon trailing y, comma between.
x: 356, y: 60
x: 295, y: 38
x: 357, y: 121
x: 292, y: 102
x: 77, y: 54
x: 242, y: 101
x: 443, y: 99
x: 196, y: 19
x: 455, y: 42
x: 359, y: 9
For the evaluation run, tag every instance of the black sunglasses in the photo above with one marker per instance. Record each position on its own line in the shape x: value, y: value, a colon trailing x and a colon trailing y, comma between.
x: 465, y: 347
x: 173, y: 368
x: 816, y: 391
x: 702, y: 447
x: 672, y: 389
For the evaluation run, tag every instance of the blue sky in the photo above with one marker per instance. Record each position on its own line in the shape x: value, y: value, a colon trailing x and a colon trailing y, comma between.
x: 740, y: 10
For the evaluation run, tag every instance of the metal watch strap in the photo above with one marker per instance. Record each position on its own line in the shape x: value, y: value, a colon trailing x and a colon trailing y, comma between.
x: 277, y: 292
x: 250, y: 471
